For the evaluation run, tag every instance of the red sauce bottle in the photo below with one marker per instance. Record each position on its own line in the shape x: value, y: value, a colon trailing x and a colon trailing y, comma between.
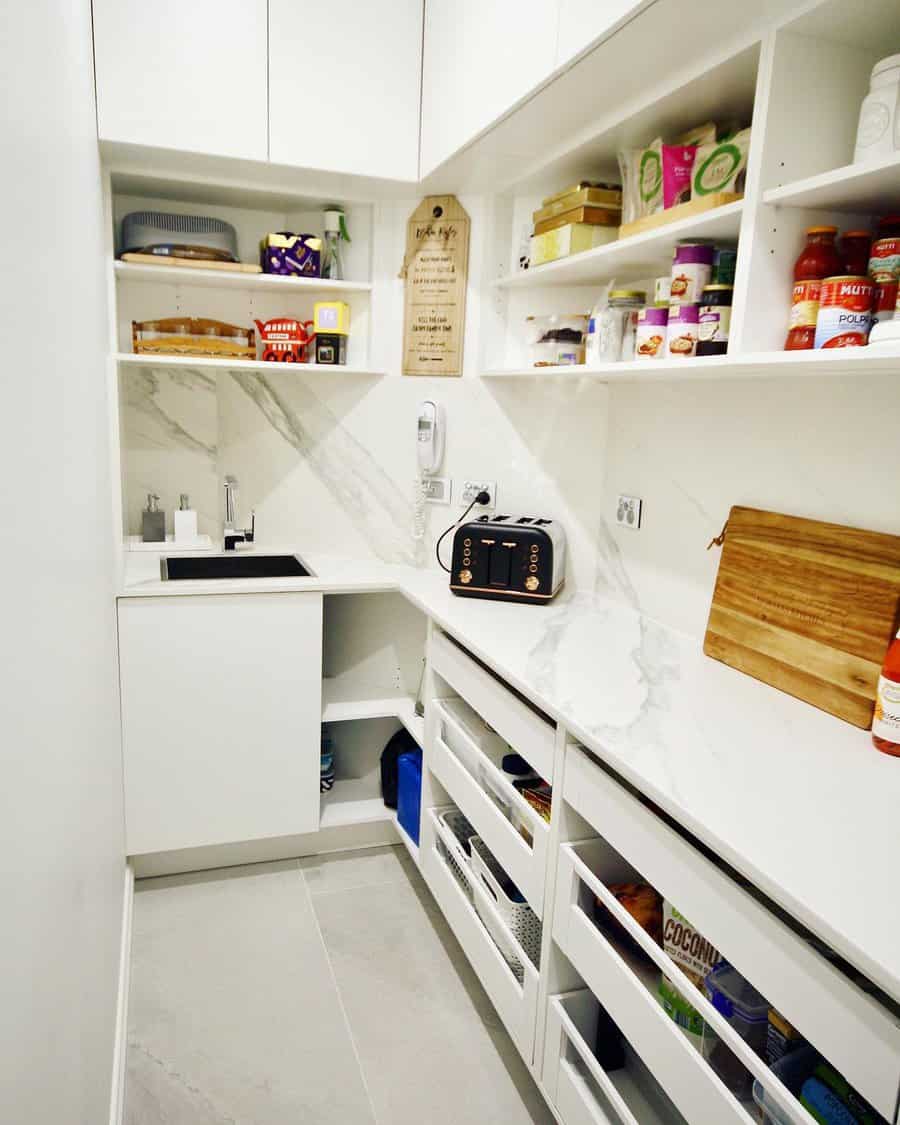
x: 886, y: 723
x: 855, y: 246
x: 818, y: 259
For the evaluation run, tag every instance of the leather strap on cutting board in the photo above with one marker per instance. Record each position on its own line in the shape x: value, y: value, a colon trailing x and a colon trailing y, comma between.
x: 807, y: 607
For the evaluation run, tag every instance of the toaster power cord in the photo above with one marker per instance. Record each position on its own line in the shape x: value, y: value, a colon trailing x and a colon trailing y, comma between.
x: 482, y: 498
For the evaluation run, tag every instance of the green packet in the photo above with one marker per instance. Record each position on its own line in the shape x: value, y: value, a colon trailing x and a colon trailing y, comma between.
x: 678, y: 1009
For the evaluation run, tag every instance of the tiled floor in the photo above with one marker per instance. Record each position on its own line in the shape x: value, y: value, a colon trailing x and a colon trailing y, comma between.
x: 324, y: 991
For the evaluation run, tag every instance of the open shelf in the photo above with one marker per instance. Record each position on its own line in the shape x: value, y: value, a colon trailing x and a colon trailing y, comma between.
x: 750, y: 365
x: 872, y: 186
x: 181, y: 363
x: 637, y: 256
x: 225, y: 279
x: 351, y: 802
x: 338, y: 707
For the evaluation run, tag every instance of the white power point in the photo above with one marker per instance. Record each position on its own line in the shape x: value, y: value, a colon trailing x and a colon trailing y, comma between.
x: 628, y: 512
x: 471, y: 488
x: 437, y: 490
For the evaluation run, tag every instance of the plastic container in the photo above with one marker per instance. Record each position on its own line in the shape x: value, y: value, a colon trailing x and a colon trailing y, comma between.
x: 682, y: 331
x: 650, y: 333
x: 792, y: 1070
x: 506, y: 900
x: 692, y: 265
x: 557, y: 340
x: 877, y: 131
x: 818, y: 259
x: 463, y: 720
x: 748, y: 1013
x: 409, y: 792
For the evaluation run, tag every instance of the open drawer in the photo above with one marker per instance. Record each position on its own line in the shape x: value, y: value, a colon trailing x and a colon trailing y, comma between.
x: 515, y: 1001
x: 524, y: 862
x: 859, y: 1036
x: 528, y: 732
x: 582, y: 1092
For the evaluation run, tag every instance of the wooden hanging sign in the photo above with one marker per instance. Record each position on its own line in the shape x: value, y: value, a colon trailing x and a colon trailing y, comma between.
x: 435, y: 267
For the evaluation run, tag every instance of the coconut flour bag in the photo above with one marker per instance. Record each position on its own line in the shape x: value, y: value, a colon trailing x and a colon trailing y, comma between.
x: 721, y: 166
x: 654, y: 178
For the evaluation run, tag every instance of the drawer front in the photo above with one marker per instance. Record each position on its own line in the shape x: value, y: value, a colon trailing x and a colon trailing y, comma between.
x: 568, y: 1089
x: 528, y: 734
x: 525, y: 865
x: 632, y: 1002
x: 855, y: 1033
x: 516, y: 1004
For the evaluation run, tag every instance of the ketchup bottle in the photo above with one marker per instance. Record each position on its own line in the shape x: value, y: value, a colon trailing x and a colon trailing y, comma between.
x: 818, y: 259
x: 886, y: 723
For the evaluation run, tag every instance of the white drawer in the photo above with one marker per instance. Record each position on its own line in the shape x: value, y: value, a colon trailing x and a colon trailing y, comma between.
x: 628, y: 990
x: 529, y: 735
x: 526, y: 864
x: 516, y: 1003
x: 571, y: 1022
x: 852, y: 1030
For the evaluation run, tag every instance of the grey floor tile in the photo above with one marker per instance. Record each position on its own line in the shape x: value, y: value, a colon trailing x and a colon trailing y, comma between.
x: 234, y: 1018
x: 431, y: 1046
x: 366, y: 867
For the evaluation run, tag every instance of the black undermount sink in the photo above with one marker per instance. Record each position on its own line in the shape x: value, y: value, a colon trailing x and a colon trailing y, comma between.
x: 176, y: 567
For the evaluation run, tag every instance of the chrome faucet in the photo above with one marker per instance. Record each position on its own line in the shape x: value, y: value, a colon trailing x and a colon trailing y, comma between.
x: 231, y: 535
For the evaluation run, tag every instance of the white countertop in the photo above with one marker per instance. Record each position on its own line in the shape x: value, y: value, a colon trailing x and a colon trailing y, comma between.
x: 798, y: 801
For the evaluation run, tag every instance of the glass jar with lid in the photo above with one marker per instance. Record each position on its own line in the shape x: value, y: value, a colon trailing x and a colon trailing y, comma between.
x: 611, y: 336
x: 557, y: 340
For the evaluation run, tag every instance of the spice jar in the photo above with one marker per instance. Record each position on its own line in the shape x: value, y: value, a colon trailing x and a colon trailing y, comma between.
x: 715, y: 320
x: 615, y: 326
x: 818, y: 259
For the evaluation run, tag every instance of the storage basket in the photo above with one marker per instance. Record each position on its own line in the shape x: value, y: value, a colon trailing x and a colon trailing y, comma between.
x: 462, y: 832
x: 517, y: 916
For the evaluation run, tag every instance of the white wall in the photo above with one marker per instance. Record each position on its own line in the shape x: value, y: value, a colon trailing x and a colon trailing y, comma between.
x: 61, y: 834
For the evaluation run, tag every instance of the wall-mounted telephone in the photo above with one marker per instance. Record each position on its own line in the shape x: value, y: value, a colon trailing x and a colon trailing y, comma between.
x: 430, y: 437
x: 429, y: 453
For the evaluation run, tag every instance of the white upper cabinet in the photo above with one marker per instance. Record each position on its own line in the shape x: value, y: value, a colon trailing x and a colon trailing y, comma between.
x: 345, y: 84
x: 183, y: 74
x: 481, y: 57
x: 583, y: 21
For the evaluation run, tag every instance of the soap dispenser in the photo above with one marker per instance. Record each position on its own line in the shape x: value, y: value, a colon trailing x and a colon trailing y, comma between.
x: 153, y: 521
x: 185, y: 521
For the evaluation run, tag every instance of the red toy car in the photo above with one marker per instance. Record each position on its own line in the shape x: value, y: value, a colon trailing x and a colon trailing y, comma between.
x: 285, y: 340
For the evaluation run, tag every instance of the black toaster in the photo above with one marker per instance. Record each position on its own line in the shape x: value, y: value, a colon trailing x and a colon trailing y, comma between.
x: 512, y: 558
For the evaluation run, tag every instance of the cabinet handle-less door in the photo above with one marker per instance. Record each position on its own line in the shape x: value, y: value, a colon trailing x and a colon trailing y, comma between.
x: 183, y: 74
x: 345, y: 84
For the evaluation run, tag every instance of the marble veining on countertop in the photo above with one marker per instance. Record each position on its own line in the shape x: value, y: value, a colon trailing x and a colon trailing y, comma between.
x: 797, y: 800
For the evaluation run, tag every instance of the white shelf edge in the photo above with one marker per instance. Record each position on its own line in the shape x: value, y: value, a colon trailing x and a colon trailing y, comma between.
x: 603, y: 258
x: 755, y: 365
x: 412, y: 848
x: 815, y: 191
x: 339, y: 709
x: 130, y: 359
x: 335, y: 812
x: 212, y: 279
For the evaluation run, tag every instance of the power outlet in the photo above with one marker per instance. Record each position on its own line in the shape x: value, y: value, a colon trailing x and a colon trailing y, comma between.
x: 628, y: 512
x: 471, y: 488
x: 437, y: 489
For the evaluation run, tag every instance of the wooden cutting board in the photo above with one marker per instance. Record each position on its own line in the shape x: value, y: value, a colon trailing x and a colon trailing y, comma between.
x: 807, y: 607
x: 172, y: 262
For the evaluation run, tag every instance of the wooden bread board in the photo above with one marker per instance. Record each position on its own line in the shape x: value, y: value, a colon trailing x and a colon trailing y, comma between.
x: 682, y: 211
x: 807, y: 607
x: 191, y: 263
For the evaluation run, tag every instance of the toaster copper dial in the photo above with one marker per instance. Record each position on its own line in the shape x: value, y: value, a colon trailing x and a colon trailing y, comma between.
x: 465, y: 576
x: 532, y: 582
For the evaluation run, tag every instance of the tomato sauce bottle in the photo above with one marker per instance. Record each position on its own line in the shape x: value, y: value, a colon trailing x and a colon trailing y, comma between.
x: 886, y: 723
x: 855, y: 247
x: 818, y: 259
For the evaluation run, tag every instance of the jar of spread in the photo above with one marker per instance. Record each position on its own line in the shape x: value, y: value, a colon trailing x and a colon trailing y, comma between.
x: 715, y: 320
x: 692, y: 265
x: 818, y: 260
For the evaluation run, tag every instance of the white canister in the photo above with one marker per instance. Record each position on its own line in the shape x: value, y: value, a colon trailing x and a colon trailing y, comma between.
x: 876, y: 133
x: 682, y: 331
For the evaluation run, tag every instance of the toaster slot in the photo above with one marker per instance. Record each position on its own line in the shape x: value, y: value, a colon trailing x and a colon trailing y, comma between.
x: 500, y: 564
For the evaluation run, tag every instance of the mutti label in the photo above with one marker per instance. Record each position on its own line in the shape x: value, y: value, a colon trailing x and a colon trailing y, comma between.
x: 852, y: 294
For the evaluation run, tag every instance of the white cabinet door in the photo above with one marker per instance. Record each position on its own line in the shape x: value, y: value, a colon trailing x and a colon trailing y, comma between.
x: 183, y: 74
x: 221, y: 714
x: 481, y: 56
x: 345, y: 85
x: 583, y: 21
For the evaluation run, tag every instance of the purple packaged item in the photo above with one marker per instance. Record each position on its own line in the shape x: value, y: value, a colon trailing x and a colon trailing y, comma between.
x: 682, y: 330
x: 692, y: 265
x: 677, y: 165
x: 291, y: 255
x: 650, y: 333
